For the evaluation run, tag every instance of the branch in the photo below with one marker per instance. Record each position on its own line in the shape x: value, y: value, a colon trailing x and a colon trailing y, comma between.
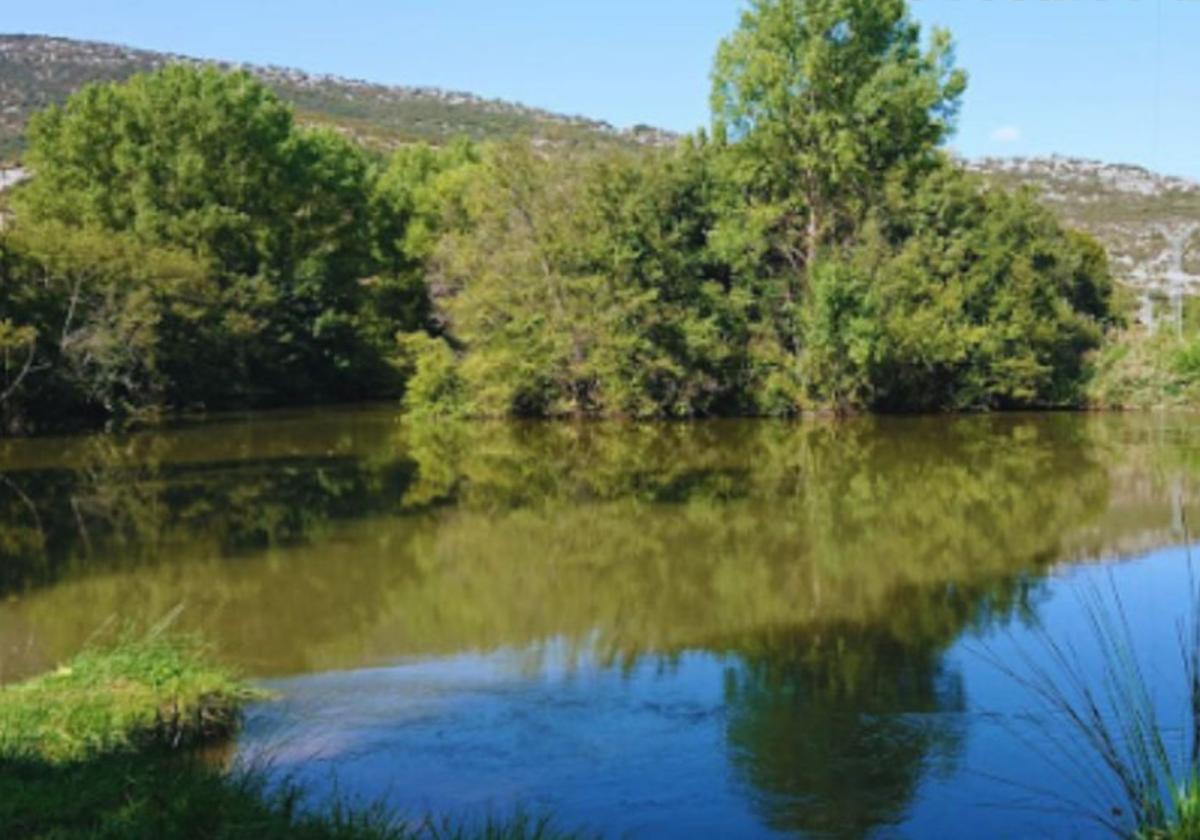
x: 25, y: 371
x: 70, y: 313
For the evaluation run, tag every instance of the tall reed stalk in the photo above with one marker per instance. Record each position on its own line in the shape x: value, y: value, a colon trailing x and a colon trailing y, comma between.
x: 1104, y: 729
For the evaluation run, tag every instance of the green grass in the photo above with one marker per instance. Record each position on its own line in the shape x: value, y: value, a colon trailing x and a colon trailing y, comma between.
x: 155, y: 795
x: 1184, y: 822
x: 150, y: 691
x: 1137, y: 370
x: 101, y: 748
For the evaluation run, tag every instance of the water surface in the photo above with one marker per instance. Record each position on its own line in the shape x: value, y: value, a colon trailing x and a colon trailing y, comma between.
x: 719, y: 629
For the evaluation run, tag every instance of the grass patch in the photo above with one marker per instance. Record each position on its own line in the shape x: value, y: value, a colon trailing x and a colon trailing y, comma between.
x: 152, y: 796
x: 147, y: 692
x: 160, y: 795
x: 1139, y: 370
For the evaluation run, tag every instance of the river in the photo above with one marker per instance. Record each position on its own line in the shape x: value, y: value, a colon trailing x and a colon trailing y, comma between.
x: 735, y: 628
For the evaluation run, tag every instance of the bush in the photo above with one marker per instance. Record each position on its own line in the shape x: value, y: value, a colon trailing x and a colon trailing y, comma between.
x: 1137, y: 369
x: 435, y: 383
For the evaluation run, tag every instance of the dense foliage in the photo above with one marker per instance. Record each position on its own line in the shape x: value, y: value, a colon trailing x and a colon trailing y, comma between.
x: 1147, y: 369
x: 184, y: 243
x: 819, y: 251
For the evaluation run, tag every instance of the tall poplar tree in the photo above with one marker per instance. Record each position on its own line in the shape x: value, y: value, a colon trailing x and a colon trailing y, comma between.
x: 821, y: 99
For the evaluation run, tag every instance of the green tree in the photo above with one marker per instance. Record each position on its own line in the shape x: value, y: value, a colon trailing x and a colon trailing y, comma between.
x: 841, y: 337
x: 583, y: 285
x: 194, y: 157
x: 956, y: 297
x: 214, y: 164
x: 412, y: 201
x: 87, y: 323
x: 817, y: 102
x: 820, y: 251
x: 821, y: 99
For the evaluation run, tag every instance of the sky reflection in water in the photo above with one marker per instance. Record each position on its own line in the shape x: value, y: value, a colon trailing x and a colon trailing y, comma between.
x: 721, y: 629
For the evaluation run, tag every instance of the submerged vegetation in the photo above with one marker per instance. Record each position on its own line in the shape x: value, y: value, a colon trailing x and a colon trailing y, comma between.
x: 100, y: 749
x: 185, y: 243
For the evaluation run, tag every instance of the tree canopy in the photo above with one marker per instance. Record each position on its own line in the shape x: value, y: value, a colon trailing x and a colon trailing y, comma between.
x: 820, y: 251
x: 185, y: 242
x: 300, y: 299
x: 822, y: 99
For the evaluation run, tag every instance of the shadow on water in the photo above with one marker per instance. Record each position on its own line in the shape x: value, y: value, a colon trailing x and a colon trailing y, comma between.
x: 827, y: 566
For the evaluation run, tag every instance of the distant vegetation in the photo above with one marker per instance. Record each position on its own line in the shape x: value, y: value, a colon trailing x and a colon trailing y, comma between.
x: 186, y: 242
x: 1147, y: 370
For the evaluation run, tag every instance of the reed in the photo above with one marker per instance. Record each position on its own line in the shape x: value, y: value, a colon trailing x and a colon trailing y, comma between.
x: 1103, y: 728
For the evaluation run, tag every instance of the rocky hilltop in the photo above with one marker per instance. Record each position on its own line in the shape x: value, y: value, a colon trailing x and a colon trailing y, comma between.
x: 1150, y: 223
x: 36, y: 71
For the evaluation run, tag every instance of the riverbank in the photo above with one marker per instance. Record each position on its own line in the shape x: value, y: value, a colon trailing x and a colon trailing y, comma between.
x: 103, y: 747
x: 1141, y: 370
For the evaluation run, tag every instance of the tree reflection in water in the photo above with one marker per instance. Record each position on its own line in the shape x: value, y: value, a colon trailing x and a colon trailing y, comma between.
x: 831, y: 564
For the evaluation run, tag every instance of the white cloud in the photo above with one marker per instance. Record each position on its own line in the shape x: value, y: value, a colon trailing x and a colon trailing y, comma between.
x: 1006, y: 134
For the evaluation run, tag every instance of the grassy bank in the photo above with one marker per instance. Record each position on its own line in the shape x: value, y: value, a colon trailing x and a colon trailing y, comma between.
x: 1138, y: 370
x: 101, y: 748
x: 145, y: 694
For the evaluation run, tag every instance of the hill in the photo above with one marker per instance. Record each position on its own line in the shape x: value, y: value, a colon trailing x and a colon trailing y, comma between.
x: 36, y: 71
x: 1149, y: 223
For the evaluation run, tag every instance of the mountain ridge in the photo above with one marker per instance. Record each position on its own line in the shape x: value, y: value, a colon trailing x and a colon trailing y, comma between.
x: 40, y: 70
x: 1148, y: 222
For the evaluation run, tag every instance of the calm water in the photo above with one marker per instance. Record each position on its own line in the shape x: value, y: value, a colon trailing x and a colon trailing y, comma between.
x: 724, y: 629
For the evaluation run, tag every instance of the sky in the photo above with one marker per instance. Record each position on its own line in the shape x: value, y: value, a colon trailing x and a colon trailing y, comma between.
x: 1114, y: 80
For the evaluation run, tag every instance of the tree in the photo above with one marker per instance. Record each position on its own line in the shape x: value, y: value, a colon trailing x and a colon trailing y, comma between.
x: 582, y: 285
x: 821, y: 99
x: 85, y: 323
x: 956, y: 297
x: 820, y: 251
x: 416, y: 196
x: 192, y: 157
x: 817, y: 105
x: 213, y: 163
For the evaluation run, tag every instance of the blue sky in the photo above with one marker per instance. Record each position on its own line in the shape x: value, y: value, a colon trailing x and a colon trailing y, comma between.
x: 1117, y: 80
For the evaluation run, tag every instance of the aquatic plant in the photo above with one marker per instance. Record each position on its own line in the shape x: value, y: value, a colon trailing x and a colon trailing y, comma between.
x: 1105, y: 729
